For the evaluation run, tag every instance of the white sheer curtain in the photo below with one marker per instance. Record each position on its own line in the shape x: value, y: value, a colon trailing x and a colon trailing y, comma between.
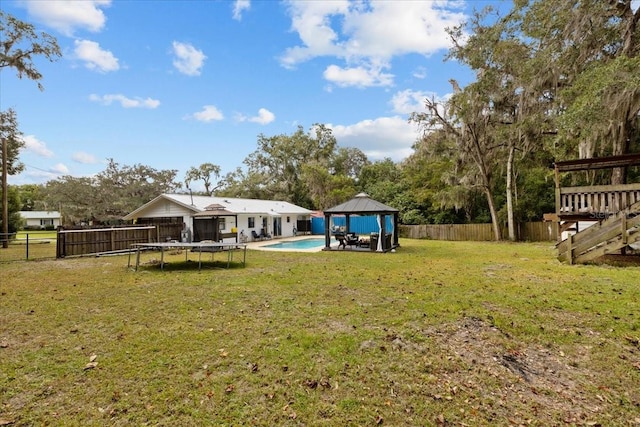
x: 380, y: 236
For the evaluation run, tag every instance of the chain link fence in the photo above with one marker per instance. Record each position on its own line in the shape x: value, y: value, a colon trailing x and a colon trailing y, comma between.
x: 27, y: 246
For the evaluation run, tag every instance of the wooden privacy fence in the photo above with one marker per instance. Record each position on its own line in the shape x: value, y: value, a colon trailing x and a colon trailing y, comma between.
x: 100, y: 240
x: 528, y: 231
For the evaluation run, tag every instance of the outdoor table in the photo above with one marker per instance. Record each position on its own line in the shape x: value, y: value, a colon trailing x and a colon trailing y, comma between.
x: 212, y: 246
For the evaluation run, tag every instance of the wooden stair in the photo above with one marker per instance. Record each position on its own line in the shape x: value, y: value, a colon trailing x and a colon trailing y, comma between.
x: 606, y: 237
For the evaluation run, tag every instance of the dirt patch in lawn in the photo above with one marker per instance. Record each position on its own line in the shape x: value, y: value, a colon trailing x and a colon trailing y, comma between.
x: 543, y: 379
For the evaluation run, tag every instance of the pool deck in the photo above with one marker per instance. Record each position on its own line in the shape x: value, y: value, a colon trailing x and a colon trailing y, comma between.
x: 259, y: 245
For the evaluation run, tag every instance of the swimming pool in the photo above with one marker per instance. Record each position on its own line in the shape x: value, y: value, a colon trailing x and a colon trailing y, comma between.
x: 310, y: 243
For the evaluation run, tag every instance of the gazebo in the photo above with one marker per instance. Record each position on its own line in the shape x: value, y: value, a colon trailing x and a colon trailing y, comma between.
x: 362, y: 204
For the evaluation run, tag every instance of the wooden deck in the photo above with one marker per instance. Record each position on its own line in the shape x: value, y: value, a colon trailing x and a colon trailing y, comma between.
x: 614, y: 211
x: 609, y: 236
x: 596, y: 202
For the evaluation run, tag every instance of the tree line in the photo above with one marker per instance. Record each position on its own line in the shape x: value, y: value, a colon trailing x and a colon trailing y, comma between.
x: 555, y: 80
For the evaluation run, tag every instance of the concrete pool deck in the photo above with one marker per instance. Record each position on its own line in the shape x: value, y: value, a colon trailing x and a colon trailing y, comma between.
x: 260, y: 245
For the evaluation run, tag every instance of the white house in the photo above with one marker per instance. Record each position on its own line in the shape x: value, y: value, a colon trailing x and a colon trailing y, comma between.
x: 41, y: 219
x: 223, y: 218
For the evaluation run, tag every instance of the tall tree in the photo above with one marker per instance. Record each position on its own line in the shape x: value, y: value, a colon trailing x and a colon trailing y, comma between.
x: 205, y: 172
x: 11, y: 143
x: 466, y: 118
x: 585, y: 55
x: 498, y: 57
x: 109, y: 195
x: 31, y: 197
x: 279, y: 160
x: 238, y: 183
x: 348, y: 161
x: 20, y: 44
x: 431, y: 195
x: 381, y: 180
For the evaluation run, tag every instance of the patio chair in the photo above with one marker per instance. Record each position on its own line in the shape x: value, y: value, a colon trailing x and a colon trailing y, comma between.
x: 255, y: 235
x: 342, y: 241
x: 351, y: 239
x: 264, y: 235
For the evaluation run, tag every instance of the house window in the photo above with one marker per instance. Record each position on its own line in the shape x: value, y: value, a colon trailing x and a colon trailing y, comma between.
x: 222, y: 224
x: 252, y: 222
x: 45, y: 222
x: 288, y: 219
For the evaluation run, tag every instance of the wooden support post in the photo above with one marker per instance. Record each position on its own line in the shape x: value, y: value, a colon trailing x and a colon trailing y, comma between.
x: 570, y: 248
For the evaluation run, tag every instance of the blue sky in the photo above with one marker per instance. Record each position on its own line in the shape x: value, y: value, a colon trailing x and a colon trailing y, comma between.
x: 173, y: 84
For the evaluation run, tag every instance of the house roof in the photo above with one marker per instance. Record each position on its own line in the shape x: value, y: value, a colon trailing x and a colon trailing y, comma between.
x: 230, y: 205
x: 361, y: 204
x: 40, y: 214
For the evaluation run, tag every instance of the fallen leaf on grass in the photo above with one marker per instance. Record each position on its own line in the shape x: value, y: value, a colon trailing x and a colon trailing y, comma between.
x: 311, y: 383
x: 229, y: 388
x: 5, y: 422
x: 90, y: 365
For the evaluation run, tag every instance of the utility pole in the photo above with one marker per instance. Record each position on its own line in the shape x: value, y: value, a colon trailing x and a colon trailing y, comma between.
x: 5, y: 198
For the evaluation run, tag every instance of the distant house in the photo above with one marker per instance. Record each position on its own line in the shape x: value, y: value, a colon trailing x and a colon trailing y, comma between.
x: 41, y: 219
x: 221, y: 218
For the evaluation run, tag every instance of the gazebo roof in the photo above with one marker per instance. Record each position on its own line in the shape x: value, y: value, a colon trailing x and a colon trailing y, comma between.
x: 361, y: 204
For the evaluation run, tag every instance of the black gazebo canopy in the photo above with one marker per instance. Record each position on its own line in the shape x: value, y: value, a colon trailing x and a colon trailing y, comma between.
x: 362, y: 204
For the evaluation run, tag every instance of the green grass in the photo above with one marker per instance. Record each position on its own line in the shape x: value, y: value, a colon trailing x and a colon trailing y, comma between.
x: 437, y: 333
x: 32, y: 245
x: 37, y: 234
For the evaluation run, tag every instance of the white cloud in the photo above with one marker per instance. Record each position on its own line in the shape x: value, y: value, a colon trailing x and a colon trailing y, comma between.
x: 209, y: 113
x: 95, y: 58
x: 383, y: 137
x: 188, y: 60
x: 68, y: 15
x: 264, y: 117
x: 124, y: 101
x: 84, y: 158
x: 409, y: 101
x: 367, y: 35
x: 33, y: 145
x: 358, y: 76
x: 240, y: 6
x: 59, y: 169
x: 420, y: 73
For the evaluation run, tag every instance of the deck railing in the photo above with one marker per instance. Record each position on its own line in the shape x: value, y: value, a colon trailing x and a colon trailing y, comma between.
x: 597, y: 201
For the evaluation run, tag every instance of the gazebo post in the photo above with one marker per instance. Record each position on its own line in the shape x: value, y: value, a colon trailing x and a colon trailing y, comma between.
x: 383, y: 231
x: 395, y: 230
x: 327, y: 233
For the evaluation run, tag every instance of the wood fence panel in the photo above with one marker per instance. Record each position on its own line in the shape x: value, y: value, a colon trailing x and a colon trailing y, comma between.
x: 100, y: 240
x: 538, y: 231
x: 530, y: 231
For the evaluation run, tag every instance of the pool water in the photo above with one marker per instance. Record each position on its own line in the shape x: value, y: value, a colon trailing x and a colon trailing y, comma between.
x: 297, y: 244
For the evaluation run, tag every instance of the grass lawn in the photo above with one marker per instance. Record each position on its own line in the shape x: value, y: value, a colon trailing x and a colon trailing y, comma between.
x: 438, y: 333
x: 40, y: 244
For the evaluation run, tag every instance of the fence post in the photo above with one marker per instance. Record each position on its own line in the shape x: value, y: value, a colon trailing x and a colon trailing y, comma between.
x: 27, y: 246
